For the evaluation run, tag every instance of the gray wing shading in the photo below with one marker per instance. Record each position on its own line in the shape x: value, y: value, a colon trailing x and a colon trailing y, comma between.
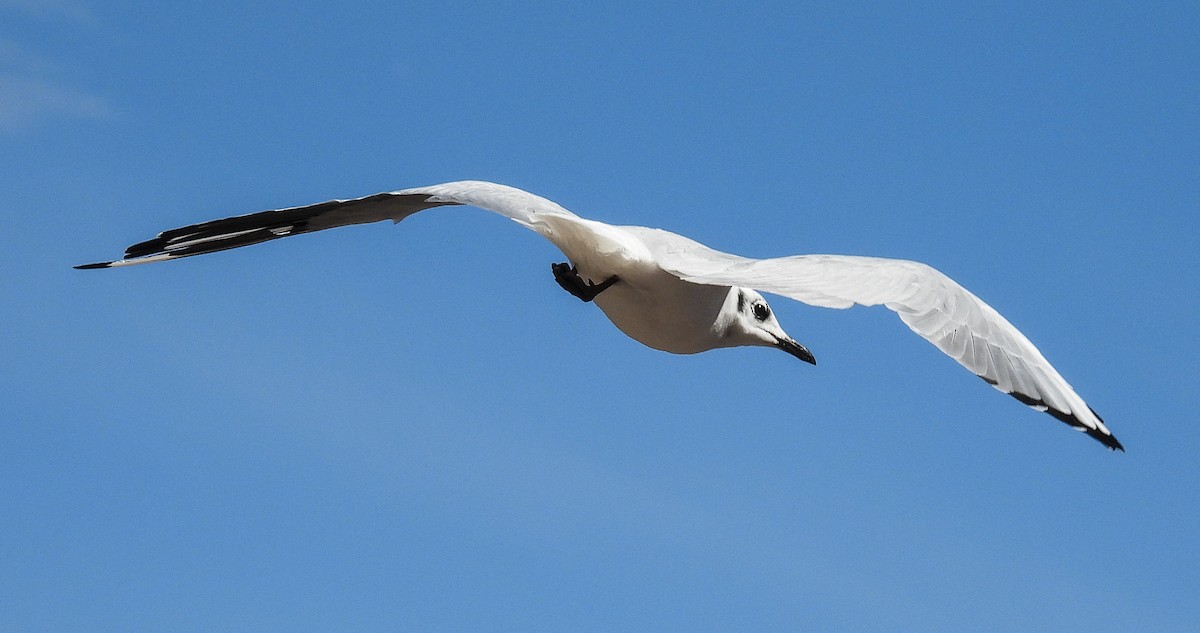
x: 243, y: 230
x: 930, y: 303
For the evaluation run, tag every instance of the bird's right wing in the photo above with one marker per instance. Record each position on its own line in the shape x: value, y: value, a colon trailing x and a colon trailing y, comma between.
x: 527, y: 209
x: 930, y: 303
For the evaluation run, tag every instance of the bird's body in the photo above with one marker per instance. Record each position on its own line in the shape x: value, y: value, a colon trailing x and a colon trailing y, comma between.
x: 676, y: 295
x: 664, y: 312
x: 649, y: 305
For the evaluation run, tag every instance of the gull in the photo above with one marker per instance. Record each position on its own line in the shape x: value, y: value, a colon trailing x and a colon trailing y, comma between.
x: 674, y: 294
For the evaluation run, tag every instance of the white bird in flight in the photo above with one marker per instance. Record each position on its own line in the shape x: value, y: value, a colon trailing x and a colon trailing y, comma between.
x: 676, y: 295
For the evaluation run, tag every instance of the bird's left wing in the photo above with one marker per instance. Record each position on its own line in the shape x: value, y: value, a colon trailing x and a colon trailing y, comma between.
x: 930, y: 303
x: 523, y: 207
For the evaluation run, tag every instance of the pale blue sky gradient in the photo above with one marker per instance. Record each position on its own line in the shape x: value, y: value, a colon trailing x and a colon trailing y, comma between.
x: 412, y: 428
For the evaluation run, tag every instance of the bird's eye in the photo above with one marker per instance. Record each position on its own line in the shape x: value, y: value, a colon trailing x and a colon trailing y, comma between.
x: 761, y: 311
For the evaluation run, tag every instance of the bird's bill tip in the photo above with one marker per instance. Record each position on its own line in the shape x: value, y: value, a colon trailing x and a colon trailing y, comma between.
x: 95, y: 265
x: 796, y: 349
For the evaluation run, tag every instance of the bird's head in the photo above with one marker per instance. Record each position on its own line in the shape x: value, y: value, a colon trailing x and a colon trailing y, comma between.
x: 750, y: 321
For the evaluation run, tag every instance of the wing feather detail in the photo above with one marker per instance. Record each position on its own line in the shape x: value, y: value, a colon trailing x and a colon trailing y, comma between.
x: 244, y: 230
x: 931, y: 304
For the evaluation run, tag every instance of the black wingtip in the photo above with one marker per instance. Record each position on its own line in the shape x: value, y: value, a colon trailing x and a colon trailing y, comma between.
x: 1107, y: 440
x: 96, y: 265
x: 1104, y: 438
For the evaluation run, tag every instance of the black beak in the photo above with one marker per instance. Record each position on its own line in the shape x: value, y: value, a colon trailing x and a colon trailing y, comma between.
x: 795, y: 349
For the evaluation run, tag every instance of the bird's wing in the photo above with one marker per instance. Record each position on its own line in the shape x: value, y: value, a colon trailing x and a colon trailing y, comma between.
x: 520, y: 206
x: 930, y: 303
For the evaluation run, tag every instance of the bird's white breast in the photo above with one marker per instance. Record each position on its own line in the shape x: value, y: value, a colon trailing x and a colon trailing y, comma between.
x: 664, y: 312
x: 649, y: 305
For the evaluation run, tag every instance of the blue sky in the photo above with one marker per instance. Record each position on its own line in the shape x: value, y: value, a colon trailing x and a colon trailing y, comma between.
x: 413, y: 428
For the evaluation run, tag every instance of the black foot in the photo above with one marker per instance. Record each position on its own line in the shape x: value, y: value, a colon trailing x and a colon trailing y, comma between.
x: 568, y: 277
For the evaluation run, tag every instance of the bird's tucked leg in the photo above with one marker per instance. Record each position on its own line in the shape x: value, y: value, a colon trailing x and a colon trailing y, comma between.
x: 568, y: 277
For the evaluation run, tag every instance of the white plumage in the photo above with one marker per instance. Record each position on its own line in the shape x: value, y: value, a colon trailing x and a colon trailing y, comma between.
x: 677, y: 295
